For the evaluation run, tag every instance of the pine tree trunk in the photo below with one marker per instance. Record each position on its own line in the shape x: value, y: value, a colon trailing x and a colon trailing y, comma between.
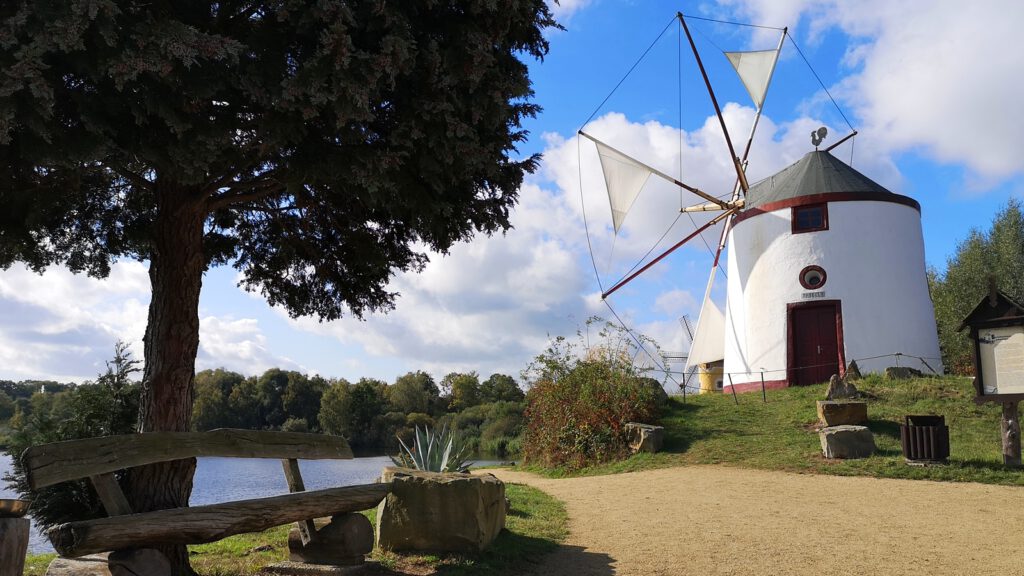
x: 171, y: 343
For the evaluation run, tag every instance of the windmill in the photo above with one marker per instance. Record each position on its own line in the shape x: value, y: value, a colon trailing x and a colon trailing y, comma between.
x: 781, y: 325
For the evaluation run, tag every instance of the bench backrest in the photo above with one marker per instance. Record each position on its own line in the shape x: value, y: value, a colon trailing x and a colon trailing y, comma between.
x: 49, y: 464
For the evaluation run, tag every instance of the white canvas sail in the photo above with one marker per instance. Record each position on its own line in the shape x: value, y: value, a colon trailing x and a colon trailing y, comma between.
x: 709, y: 338
x: 624, y: 178
x: 755, y: 70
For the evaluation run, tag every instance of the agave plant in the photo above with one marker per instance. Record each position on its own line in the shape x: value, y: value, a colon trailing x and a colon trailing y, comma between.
x: 433, y: 452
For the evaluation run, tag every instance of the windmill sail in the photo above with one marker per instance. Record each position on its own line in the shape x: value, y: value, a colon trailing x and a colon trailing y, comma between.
x: 709, y: 341
x: 624, y: 177
x: 755, y: 70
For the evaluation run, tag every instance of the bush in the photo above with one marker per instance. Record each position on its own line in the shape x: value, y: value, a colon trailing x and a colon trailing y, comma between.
x: 579, y: 403
x: 108, y: 407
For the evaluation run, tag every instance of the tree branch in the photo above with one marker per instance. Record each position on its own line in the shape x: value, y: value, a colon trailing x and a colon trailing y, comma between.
x: 257, y: 191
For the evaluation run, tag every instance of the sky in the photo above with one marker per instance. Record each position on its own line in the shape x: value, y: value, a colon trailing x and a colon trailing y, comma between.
x: 930, y: 86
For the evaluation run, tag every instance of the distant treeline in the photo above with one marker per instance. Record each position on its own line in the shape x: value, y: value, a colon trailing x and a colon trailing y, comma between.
x: 370, y: 413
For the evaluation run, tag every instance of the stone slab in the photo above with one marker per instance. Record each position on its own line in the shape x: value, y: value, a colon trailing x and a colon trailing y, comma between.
x: 645, y: 437
x: 847, y: 442
x: 831, y: 413
x: 121, y: 563
x: 440, y: 512
x: 304, y: 569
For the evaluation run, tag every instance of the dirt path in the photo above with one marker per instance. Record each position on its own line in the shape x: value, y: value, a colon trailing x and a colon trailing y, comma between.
x: 710, y: 520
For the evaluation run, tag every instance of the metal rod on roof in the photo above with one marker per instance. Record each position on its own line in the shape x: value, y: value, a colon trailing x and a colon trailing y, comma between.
x: 845, y: 138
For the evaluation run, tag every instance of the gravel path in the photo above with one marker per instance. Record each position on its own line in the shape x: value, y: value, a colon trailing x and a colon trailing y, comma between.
x: 711, y: 520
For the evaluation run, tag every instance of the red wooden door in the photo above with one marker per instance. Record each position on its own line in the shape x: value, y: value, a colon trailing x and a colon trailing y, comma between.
x: 816, y: 344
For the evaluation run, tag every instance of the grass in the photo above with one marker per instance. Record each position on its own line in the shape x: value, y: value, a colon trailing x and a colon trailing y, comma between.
x: 781, y: 434
x: 536, y: 524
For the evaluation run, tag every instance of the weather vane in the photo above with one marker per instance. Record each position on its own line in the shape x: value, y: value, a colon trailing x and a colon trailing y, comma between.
x: 817, y: 136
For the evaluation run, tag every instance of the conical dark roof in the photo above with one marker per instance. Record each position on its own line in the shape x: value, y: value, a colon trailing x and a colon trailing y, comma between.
x: 815, y: 173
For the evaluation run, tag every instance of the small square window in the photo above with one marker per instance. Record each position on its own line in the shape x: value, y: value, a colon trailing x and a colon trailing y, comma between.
x: 810, y: 218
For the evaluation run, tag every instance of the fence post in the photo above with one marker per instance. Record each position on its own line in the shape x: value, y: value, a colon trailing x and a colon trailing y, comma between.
x: 733, y: 388
x: 764, y: 396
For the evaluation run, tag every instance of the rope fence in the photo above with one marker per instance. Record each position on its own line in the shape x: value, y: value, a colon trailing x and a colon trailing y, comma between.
x: 687, y: 375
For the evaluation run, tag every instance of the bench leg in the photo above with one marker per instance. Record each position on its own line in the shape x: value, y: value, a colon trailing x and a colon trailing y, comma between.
x: 344, y: 541
x: 13, y: 545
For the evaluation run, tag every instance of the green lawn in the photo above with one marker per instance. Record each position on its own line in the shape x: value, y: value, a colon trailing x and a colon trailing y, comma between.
x: 781, y: 435
x: 536, y: 525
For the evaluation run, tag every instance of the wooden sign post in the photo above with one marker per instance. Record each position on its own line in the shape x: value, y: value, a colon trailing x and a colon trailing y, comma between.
x: 997, y: 329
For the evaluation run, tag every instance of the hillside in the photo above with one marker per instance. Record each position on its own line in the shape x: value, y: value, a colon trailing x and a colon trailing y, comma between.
x: 781, y: 434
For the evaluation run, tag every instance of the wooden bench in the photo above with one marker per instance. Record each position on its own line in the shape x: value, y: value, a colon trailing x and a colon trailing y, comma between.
x: 98, y: 459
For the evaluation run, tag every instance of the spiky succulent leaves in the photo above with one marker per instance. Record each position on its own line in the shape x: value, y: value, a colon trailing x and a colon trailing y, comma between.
x: 433, y: 451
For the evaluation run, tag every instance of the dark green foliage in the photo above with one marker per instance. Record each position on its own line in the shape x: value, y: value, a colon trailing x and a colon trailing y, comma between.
x: 463, y: 390
x: 998, y: 254
x: 212, y: 407
x: 414, y: 392
x: 501, y: 388
x: 110, y: 406
x: 324, y: 139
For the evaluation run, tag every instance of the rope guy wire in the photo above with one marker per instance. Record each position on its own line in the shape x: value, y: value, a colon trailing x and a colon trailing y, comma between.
x: 630, y: 71
x: 818, y: 78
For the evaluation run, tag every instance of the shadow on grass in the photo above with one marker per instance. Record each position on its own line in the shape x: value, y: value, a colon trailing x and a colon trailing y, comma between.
x: 517, y: 554
x: 679, y: 431
x: 885, y: 427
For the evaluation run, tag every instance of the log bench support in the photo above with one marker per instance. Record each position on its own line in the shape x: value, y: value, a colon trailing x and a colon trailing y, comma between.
x: 342, y: 541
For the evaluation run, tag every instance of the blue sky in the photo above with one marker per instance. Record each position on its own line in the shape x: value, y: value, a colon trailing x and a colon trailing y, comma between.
x: 931, y: 86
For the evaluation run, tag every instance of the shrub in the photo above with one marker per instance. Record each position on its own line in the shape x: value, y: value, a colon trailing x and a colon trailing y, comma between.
x: 579, y: 403
x: 433, y: 451
x: 110, y: 406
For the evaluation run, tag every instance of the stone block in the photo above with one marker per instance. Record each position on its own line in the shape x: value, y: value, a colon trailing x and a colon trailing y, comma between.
x: 121, y: 563
x: 842, y: 413
x: 847, y: 442
x: 645, y: 437
x: 303, y: 569
x: 343, y: 541
x: 841, y: 388
x: 440, y: 512
x: 901, y: 373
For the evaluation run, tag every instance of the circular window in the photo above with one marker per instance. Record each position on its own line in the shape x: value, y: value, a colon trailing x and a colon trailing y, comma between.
x: 812, y: 277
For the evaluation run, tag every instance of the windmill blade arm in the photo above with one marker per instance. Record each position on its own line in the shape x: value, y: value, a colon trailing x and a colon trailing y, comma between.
x: 709, y: 207
x: 695, y: 233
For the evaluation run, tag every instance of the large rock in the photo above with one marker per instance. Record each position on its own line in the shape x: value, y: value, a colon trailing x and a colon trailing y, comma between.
x: 901, y: 373
x: 447, y: 512
x: 644, y: 437
x: 121, y: 563
x: 344, y: 541
x: 853, y: 371
x: 659, y: 391
x: 847, y: 442
x: 840, y: 413
x: 841, y: 388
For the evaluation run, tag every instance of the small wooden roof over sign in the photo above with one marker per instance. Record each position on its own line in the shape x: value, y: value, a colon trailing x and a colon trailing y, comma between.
x: 997, y: 309
x: 996, y: 330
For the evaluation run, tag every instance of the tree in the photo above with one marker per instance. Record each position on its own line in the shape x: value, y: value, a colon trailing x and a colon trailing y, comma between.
x: 501, y: 388
x: 335, y: 407
x: 301, y: 399
x: 212, y: 406
x: 464, y: 389
x: 413, y: 392
x: 317, y: 147
x: 349, y: 410
x: 996, y: 254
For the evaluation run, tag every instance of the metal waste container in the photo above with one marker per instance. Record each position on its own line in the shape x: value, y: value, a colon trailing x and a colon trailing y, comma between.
x: 925, y: 439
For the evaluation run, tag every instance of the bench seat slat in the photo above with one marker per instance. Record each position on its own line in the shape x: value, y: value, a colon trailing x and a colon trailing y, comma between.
x: 50, y: 464
x: 203, y: 524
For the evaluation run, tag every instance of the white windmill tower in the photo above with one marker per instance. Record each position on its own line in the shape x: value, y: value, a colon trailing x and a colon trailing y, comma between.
x: 824, y: 265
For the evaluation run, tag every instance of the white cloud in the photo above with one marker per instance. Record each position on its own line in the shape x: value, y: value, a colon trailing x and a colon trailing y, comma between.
x: 564, y: 9
x: 940, y: 77
x: 63, y: 326
x: 238, y: 345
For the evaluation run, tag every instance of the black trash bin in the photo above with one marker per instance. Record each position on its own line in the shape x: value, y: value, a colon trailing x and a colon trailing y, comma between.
x: 925, y: 439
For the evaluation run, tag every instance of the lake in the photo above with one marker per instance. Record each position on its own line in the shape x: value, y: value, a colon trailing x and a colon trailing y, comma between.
x: 227, y: 479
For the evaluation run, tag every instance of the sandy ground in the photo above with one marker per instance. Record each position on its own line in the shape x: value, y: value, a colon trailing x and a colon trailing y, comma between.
x: 710, y: 520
